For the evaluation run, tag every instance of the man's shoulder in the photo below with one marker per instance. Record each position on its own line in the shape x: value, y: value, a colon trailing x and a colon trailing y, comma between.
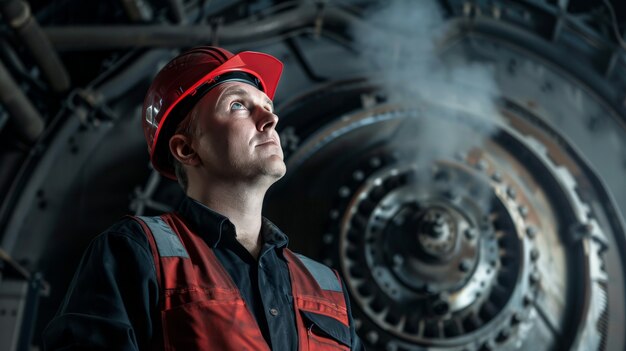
x: 127, y: 224
x: 123, y: 242
x: 126, y: 227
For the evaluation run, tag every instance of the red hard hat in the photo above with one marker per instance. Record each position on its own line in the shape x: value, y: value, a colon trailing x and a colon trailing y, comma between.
x: 183, y: 81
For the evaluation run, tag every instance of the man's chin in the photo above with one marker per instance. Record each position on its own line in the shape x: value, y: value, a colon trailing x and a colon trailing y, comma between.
x: 277, y: 169
x: 271, y: 166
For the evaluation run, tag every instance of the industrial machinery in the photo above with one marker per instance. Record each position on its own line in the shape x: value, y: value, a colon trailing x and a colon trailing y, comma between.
x: 460, y: 163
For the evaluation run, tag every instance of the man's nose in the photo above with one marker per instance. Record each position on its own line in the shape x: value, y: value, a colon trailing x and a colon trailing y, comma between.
x: 267, y: 119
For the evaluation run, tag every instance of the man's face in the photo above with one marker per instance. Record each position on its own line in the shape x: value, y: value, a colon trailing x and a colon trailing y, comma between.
x: 236, y: 135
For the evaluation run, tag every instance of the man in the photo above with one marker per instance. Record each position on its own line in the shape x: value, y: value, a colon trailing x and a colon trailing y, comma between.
x: 215, y: 275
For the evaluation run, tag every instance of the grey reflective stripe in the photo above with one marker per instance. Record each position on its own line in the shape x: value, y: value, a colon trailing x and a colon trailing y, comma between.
x: 325, y: 277
x: 168, y: 243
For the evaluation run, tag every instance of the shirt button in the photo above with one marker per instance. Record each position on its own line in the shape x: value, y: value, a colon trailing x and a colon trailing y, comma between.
x: 274, y: 312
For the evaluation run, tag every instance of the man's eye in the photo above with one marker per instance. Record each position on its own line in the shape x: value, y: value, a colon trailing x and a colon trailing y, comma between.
x: 237, y: 106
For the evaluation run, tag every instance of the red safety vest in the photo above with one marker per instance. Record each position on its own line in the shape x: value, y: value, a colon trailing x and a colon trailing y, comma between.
x: 202, y: 309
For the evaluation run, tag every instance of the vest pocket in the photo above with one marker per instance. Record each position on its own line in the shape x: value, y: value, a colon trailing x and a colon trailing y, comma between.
x: 224, y: 325
x: 325, y: 333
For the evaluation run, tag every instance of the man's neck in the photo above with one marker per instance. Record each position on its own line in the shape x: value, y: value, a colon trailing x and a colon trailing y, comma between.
x: 242, y: 205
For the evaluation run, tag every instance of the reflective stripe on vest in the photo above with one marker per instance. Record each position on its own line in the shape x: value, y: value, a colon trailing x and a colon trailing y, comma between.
x: 167, y: 242
x: 202, y: 309
x: 322, y: 274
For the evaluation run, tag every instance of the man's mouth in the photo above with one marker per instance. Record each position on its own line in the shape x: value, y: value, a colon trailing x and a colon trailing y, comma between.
x: 267, y: 142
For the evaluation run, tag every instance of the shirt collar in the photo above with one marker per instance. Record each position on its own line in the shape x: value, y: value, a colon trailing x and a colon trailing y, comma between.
x: 272, y: 235
x: 214, y: 227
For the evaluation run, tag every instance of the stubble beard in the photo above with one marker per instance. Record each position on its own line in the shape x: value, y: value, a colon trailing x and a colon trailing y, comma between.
x: 274, y: 168
x: 263, y: 171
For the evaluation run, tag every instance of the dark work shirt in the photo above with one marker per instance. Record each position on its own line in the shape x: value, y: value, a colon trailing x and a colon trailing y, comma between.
x: 113, y: 301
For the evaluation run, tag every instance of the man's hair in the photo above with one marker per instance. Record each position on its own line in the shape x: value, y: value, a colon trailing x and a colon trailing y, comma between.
x: 188, y: 128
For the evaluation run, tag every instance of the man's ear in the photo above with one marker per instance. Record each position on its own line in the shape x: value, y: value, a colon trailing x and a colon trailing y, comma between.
x: 181, y: 148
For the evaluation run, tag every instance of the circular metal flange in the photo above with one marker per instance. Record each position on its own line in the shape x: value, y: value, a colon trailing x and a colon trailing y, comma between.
x: 432, y: 248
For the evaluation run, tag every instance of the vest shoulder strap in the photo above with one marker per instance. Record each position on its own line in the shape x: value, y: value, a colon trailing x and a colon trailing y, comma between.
x: 168, y: 243
x: 323, y: 275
